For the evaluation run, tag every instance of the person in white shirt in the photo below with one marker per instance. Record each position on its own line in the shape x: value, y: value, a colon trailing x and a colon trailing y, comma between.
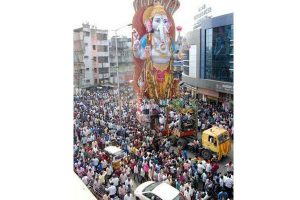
x: 187, y: 194
x: 191, y: 189
x: 104, y: 163
x: 115, y: 180
x: 85, y: 180
x: 182, y: 189
x: 123, y: 177
x: 136, y: 173
x: 112, y: 190
x: 172, y: 113
x: 221, y: 182
x: 162, y: 119
x: 208, y: 167
x: 229, y: 167
x: 203, y: 177
x: 228, y: 183
x: 128, y: 196
x: 128, y: 184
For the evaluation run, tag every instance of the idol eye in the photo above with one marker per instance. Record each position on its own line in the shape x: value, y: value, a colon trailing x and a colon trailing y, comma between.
x: 157, y: 20
x: 165, y: 21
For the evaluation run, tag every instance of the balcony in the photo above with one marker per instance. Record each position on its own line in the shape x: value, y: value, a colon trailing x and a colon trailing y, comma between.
x: 102, y: 42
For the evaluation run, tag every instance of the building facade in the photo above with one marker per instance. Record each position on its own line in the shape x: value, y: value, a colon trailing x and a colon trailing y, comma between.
x: 209, y: 74
x: 125, y: 60
x: 91, y: 56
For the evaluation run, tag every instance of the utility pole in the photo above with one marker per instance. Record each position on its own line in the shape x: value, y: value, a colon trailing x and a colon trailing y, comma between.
x: 117, y: 61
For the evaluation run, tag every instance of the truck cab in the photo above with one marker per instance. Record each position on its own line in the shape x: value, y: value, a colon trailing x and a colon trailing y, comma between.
x: 217, y: 141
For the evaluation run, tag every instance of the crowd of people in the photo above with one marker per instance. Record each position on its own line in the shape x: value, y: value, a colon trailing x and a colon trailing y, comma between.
x: 100, y: 120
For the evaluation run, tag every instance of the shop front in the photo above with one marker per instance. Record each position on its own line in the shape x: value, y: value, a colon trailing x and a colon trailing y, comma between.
x: 209, y: 95
x: 192, y: 90
x: 226, y: 100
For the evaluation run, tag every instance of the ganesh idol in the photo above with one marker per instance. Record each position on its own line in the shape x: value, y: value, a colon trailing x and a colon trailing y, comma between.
x: 155, y: 51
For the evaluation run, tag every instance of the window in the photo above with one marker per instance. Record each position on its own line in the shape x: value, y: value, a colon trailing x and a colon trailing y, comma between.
x: 102, y: 59
x: 103, y: 70
x: 95, y: 70
x: 94, y: 47
x: 101, y: 36
x: 87, y: 34
x: 86, y: 57
x: 102, y: 48
x: 86, y: 44
x: 219, y: 53
x: 151, y: 187
x: 87, y: 80
x: 212, y: 140
x: 94, y: 58
x: 149, y: 195
x: 223, y: 138
x: 96, y: 81
x: 87, y: 69
x: 152, y: 196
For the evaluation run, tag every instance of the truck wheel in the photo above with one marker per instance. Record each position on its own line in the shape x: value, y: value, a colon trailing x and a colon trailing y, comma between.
x: 182, y: 142
x: 173, y: 140
x: 206, y: 154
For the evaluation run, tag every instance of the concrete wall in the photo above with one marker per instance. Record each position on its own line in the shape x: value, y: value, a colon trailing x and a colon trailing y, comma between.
x: 193, y: 38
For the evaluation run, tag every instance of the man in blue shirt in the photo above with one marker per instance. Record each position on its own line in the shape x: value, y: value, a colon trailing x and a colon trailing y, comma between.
x: 99, y: 168
x: 222, y: 195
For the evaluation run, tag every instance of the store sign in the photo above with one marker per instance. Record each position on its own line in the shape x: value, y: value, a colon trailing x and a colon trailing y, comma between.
x: 224, y: 88
x: 202, y: 15
x: 203, y: 10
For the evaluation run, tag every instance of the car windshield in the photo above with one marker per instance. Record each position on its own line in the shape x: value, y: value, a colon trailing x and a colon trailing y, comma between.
x: 179, y: 197
x: 151, y: 187
x: 223, y: 138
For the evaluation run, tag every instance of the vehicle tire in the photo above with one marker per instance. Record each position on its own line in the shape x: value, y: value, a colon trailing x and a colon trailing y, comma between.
x: 137, y: 198
x: 182, y: 142
x: 173, y: 140
x: 205, y: 154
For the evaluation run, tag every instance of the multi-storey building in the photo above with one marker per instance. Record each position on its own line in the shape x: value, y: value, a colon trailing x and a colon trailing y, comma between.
x: 78, y: 52
x: 209, y: 74
x: 92, y: 45
x: 125, y: 60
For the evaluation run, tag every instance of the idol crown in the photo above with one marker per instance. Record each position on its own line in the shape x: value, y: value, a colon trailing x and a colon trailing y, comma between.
x: 169, y: 5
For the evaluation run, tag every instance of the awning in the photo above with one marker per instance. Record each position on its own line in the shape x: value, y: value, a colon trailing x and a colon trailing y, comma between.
x: 209, y: 93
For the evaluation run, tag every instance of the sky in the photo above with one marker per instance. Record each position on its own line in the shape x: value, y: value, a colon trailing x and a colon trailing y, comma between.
x: 112, y: 14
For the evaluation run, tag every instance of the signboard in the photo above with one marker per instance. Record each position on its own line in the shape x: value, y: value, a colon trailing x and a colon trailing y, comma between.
x: 224, y: 88
x: 203, y: 14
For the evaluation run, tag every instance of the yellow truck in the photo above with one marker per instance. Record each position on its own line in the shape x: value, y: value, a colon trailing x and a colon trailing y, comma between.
x: 215, y: 141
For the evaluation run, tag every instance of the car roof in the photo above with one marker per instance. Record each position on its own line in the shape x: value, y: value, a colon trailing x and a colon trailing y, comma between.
x: 165, y: 191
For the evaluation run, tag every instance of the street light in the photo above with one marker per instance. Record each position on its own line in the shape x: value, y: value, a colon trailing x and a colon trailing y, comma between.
x: 117, y: 61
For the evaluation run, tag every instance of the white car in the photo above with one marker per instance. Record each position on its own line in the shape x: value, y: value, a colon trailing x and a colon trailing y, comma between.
x: 151, y: 190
